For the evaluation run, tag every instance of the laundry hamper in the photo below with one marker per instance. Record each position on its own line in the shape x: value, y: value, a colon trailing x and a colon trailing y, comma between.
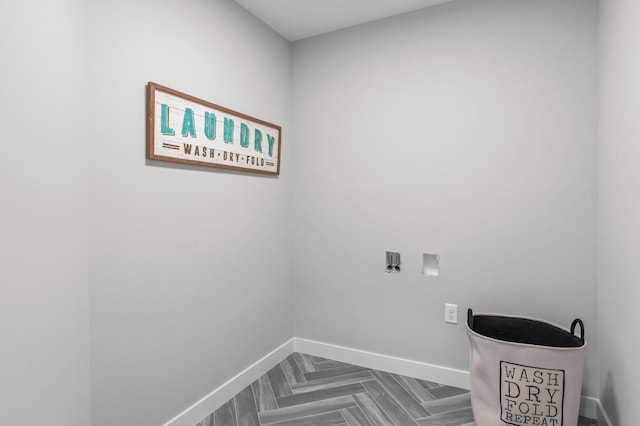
x: 525, y: 371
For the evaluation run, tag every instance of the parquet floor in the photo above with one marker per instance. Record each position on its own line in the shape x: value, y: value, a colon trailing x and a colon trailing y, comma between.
x: 305, y: 390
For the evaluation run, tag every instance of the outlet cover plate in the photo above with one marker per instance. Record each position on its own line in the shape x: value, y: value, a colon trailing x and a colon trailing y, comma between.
x: 450, y: 313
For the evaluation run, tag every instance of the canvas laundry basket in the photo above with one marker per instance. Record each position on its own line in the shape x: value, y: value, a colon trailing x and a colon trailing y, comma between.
x: 525, y: 371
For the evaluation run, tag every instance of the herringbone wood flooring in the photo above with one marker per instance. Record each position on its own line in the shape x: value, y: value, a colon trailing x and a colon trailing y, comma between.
x: 305, y: 390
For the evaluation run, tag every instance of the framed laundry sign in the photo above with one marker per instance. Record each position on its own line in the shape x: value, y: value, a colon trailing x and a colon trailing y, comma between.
x: 184, y: 129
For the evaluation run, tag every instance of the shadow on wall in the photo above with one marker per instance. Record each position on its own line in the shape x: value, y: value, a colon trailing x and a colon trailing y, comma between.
x: 609, y: 399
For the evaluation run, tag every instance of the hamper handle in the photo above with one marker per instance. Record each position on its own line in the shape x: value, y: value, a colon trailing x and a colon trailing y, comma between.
x: 573, y: 328
x: 470, y: 318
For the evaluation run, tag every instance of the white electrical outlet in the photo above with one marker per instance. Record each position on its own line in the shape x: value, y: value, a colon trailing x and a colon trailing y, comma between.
x: 451, y: 313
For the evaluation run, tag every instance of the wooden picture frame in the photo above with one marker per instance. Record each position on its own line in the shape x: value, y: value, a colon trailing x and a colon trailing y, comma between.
x: 184, y: 129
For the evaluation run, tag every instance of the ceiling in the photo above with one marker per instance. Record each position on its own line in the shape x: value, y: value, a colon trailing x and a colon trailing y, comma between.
x: 298, y: 19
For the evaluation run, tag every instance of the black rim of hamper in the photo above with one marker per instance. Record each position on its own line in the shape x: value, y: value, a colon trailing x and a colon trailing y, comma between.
x: 525, y: 331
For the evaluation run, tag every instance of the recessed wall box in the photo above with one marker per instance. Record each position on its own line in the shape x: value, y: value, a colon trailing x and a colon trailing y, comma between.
x: 430, y: 265
x: 392, y: 262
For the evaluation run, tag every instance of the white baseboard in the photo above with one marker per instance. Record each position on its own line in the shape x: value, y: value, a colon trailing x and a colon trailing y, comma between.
x: 589, y: 407
x: 404, y: 367
x: 602, y: 416
x: 207, y: 405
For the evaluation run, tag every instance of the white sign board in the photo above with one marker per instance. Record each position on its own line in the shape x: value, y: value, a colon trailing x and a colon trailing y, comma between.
x: 185, y: 129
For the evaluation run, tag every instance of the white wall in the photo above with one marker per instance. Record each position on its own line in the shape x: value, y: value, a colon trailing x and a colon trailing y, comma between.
x: 44, y: 330
x: 189, y: 266
x: 619, y: 208
x: 467, y: 130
